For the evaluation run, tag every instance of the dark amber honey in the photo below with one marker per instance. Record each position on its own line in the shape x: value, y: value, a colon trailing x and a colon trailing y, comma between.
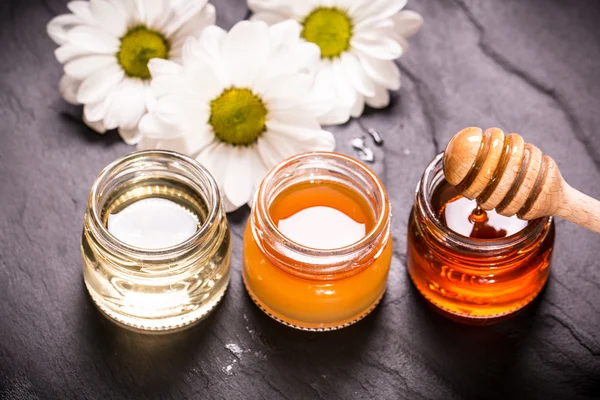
x: 494, y: 268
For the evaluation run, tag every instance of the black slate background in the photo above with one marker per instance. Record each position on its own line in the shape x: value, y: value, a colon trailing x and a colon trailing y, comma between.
x: 526, y: 66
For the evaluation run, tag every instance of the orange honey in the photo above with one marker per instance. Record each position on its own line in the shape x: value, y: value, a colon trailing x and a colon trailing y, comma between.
x: 329, y: 200
x: 472, y: 265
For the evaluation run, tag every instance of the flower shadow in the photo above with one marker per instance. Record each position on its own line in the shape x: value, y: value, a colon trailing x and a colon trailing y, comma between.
x: 294, y: 352
x: 72, y: 118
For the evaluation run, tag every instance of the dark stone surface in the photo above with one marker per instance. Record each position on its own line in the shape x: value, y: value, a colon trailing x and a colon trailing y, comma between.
x: 528, y: 66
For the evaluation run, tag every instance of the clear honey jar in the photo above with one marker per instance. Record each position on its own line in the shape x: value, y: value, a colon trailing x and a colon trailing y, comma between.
x: 138, y: 276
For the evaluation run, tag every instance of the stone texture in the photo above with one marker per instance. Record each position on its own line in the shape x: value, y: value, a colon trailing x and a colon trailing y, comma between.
x: 532, y: 67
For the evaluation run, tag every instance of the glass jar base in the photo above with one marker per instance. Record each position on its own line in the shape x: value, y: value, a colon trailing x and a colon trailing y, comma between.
x: 159, y: 326
x: 480, y: 319
x: 311, y: 327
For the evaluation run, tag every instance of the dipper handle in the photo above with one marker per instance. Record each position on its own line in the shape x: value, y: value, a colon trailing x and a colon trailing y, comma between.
x: 504, y: 173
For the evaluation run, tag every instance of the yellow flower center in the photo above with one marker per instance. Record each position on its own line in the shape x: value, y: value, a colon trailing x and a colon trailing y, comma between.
x: 238, y: 116
x: 138, y: 46
x: 330, y: 29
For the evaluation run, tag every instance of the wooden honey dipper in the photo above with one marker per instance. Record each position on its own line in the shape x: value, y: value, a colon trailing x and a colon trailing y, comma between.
x: 514, y: 177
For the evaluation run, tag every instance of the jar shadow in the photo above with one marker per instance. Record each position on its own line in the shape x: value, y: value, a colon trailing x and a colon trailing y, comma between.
x: 294, y: 349
x: 474, y: 356
x: 139, y: 362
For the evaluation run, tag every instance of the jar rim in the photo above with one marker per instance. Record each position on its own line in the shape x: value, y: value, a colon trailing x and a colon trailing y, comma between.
x: 323, y: 261
x: 213, y: 201
x: 423, y: 195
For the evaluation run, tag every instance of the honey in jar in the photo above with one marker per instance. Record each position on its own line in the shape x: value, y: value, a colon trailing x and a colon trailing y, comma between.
x: 471, y: 264
x: 317, y: 247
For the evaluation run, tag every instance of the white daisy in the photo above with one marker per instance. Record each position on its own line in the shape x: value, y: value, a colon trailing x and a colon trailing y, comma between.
x: 238, y: 103
x: 105, y: 46
x: 359, y: 39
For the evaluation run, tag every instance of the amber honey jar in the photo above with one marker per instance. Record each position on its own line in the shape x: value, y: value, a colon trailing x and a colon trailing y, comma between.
x: 317, y: 246
x: 473, y: 265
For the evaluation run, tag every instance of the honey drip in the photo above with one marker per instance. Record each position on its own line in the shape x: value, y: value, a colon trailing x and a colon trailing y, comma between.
x: 481, y: 228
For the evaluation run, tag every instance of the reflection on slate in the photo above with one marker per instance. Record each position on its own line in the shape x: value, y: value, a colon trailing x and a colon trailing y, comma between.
x: 531, y: 67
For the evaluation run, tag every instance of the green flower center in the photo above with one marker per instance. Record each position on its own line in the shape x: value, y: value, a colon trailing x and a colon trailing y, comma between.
x: 330, y: 29
x: 138, y: 46
x: 238, y: 116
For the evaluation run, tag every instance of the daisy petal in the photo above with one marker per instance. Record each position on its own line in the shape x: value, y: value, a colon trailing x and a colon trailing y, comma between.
x: 130, y: 136
x: 185, y: 144
x: 381, y: 47
x: 271, y: 151
x: 276, y: 6
x: 109, y: 17
x: 152, y: 126
x: 274, y: 147
x: 357, y: 75
x: 181, y: 13
x: 97, y: 85
x: 321, y: 98
x: 284, y: 33
x: 192, y: 142
x: 210, y: 43
x: 307, y: 56
x: 287, y: 87
x: 97, y: 126
x: 67, y: 52
x: 335, y: 116
x: 182, y: 110
x: 82, y: 67
x: 345, y: 92
x: 301, y: 8
x: 407, y: 23
x: 245, y: 51
x: 297, y: 126
x: 82, y: 10
x: 358, y: 107
x: 379, y: 9
x: 384, y: 72
x: 125, y: 105
x: 173, y: 105
x: 204, y: 83
x: 154, y: 13
x: 94, y: 39
x: 193, y: 23
x: 268, y: 18
x: 68, y: 87
x: 165, y: 84
x: 381, y: 98
x: 95, y: 111
x: 59, y: 27
x: 159, y: 66
x: 239, y: 183
x: 149, y: 98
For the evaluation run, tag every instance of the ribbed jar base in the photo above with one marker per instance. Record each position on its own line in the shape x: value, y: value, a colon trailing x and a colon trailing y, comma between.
x: 307, y: 326
x: 160, y: 325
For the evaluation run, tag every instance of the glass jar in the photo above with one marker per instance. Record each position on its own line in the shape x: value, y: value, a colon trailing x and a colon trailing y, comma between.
x: 315, y: 289
x: 474, y: 280
x: 164, y: 289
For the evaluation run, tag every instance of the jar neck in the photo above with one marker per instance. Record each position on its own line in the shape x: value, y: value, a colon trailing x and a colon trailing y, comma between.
x: 158, y: 164
x: 316, y: 263
x: 430, y: 225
